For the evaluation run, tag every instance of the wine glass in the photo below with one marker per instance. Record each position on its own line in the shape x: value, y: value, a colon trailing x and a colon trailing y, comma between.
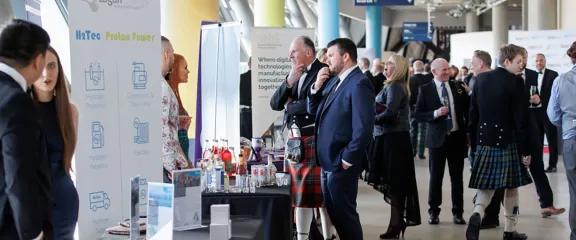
x: 533, y: 91
x: 446, y: 103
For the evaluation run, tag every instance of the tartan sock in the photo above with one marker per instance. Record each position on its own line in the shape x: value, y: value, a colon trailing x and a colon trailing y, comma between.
x: 327, y: 228
x: 303, y: 220
x: 511, y: 202
x: 483, y: 198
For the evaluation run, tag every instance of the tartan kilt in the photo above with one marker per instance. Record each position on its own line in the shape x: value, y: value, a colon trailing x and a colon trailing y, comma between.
x: 498, y: 168
x: 306, y: 187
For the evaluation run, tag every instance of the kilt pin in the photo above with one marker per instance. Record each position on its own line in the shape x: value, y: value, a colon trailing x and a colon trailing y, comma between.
x: 306, y: 187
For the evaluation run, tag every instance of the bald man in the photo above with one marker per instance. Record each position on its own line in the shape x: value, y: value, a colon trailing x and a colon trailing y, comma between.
x: 443, y: 105
x: 379, y: 78
x: 364, y: 65
x: 417, y: 130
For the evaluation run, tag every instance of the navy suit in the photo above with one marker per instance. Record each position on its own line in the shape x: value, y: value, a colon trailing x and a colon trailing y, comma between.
x: 344, y: 125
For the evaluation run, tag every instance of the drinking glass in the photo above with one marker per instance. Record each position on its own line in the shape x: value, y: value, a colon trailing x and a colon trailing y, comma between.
x: 533, y: 91
x: 446, y: 103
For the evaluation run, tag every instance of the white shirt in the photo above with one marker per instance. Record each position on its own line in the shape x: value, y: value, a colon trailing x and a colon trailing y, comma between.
x: 303, y: 77
x: 342, y: 78
x: 451, y: 99
x: 540, y: 79
x: 20, y: 80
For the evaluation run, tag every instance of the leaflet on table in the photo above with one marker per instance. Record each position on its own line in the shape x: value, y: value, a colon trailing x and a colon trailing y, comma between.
x: 134, y: 208
x: 160, y: 211
x: 187, y: 199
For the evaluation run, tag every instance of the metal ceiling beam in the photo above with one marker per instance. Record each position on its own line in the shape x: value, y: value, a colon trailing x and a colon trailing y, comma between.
x: 295, y: 14
x: 243, y: 13
x: 309, y: 15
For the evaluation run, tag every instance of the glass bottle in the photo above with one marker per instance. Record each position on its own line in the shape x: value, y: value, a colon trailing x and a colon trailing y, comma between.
x: 218, y: 176
x: 241, y: 170
x: 273, y: 170
x: 226, y: 157
x: 207, y: 150
x: 215, y: 147
x: 234, y: 160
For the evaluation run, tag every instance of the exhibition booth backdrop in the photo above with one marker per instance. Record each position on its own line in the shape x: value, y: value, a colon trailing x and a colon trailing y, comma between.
x: 116, y: 67
x: 552, y: 43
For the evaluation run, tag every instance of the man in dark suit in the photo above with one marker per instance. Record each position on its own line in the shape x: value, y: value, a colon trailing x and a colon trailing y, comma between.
x: 417, y: 129
x: 365, y: 67
x: 344, y: 108
x: 26, y: 181
x: 546, y: 78
x: 246, y: 102
x: 443, y: 105
x: 379, y: 78
x: 291, y: 97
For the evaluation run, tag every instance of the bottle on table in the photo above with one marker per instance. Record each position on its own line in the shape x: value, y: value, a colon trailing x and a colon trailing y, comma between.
x: 215, y: 147
x: 218, y: 177
x: 272, y: 169
x: 241, y: 170
x: 226, y: 157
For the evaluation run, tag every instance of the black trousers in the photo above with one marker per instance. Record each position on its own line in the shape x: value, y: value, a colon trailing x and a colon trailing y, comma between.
x: 246, y: 123
x: 455, y: 159
x: 546, y: 127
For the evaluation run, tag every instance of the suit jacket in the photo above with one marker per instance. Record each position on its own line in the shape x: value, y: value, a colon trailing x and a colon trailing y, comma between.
x: 416, y: 81
x: 344, y: 120
x: 378, y: 82
x: 498, y: 111
x: 546, y: 90
x: 246, y: 88
x: 535, y: 114
x: 369, y: 75
x: 26, y: 198
x: 429, y: 101
x: 296, y: 111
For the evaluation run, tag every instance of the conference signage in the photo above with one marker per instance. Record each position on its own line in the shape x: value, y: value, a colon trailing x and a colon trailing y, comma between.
x: 270, y: 66
x: 384, y: 2
x: 417, y: 32
x: 115, y: 68
x: 552, y: 43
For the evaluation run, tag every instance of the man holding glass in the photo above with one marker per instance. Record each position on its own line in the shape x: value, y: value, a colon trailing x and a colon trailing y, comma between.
x: 443, y: 105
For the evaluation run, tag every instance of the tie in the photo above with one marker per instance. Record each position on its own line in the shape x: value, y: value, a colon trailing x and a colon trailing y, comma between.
x: 329, y: 96
x: 539, y: 72
x: 448, y: 118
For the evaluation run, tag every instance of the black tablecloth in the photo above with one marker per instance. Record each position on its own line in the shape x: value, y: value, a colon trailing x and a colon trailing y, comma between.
x: 272, y: 204
x: 243, y: 228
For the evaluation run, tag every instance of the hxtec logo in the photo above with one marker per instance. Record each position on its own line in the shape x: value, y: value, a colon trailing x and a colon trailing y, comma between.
x: 134, y: 4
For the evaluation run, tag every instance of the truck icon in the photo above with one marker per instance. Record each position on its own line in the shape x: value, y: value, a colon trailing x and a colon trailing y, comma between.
x: 99, y: 200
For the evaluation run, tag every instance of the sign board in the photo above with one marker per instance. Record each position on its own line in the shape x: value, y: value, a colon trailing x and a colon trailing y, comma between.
x: 384, y: 2
x: 417, y: 32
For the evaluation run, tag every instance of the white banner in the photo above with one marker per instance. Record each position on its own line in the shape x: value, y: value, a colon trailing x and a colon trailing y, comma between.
x: 115, y: 56
x: 270, y: 66
x: 552, y: 43
x: 220, y: 83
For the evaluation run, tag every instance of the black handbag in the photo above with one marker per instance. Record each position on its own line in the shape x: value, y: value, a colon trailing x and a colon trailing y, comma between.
x: 295, y: 150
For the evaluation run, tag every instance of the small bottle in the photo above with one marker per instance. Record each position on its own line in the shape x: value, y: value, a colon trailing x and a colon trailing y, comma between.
x: 273, y: 170
x: 226, y: 183
x: 218, y: 176
x: 241, y: 170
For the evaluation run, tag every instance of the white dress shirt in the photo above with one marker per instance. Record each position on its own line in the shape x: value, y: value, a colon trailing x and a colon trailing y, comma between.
x: 451, y: 99
x: 303, y: 77
x: 20, y: 80
x: 540, y: 79
x: 342, y: 78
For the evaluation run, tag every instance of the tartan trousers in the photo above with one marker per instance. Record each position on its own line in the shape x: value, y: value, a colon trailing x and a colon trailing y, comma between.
x: 418, y: 136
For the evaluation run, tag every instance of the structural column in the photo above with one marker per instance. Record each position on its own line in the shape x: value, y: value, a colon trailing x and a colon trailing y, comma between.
x: 244, y: 14
x: 543, y: 15
x: 524, y: 15
x: 374, y: 29
x: 328, y: 21
x: 567, y: 17
x: 186, y: 14
x: 269, y: 13
x: 472, y: 23
x: 499, y: 27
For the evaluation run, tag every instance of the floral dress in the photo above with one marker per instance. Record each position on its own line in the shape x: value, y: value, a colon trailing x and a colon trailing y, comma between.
x: 173, y: 156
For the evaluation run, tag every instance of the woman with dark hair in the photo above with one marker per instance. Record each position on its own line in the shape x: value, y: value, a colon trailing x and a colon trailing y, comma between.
x: 178, y: 75
x: 392, y: 166
x: 60, y: 121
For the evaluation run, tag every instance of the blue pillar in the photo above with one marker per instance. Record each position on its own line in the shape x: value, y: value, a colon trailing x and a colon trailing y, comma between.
x: 374, y: 29
x: 328, y: 21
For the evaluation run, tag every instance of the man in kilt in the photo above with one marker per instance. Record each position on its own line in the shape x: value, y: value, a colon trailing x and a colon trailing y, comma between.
x: 499, y: 120
x: 290, y: 97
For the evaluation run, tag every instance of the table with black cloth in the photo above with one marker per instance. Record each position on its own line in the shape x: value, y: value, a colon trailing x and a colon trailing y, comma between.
x: 243, y: 228
x: 271, y: 204
x: 279, y: 164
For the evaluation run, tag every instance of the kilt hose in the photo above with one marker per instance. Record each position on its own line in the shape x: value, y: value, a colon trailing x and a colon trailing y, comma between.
x: 306, y: 189
x: 498, y: 168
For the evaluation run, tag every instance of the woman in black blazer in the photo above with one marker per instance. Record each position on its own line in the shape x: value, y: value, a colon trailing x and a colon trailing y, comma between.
x: 392, y: 164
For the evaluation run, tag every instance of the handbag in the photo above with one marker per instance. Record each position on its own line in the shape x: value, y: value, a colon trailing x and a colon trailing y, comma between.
x: 294, y: 146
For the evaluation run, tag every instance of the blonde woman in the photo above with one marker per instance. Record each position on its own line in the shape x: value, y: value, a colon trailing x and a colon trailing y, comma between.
x: 321, y: 55
x: 392, y: 166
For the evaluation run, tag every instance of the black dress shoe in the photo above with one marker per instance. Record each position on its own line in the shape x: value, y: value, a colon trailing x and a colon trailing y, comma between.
x: 473, y: 231
x: 514, y: 236
x: 551, y: 169
x: 488, y: 223
x: 458, y: 219
x: 434, y: 219
x: 422, y: 157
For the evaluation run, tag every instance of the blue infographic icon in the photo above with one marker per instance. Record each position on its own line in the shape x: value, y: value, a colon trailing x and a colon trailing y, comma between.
x: 139, y: 75
x: 99, y: 200
x: 97, y: 135
x: 142, y: 136
x: 94, y: 77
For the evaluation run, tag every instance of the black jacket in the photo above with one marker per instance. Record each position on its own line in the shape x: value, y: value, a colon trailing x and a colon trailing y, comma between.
x: 416, y: 81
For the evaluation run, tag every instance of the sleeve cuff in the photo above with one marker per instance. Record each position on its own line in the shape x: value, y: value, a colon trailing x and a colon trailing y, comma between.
x: 312, y: 91
x: 39, y: 236
x: 347, y: 163
x: 435, y: 114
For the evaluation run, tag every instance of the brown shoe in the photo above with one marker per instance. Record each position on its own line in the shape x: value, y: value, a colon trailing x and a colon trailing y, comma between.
x: 550, y: 211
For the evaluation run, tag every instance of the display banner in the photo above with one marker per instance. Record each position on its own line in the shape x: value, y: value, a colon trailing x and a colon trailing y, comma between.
x: 270, y: 66
x: 552, y: 43
x: 115, y: 64
x: 220, y: 74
